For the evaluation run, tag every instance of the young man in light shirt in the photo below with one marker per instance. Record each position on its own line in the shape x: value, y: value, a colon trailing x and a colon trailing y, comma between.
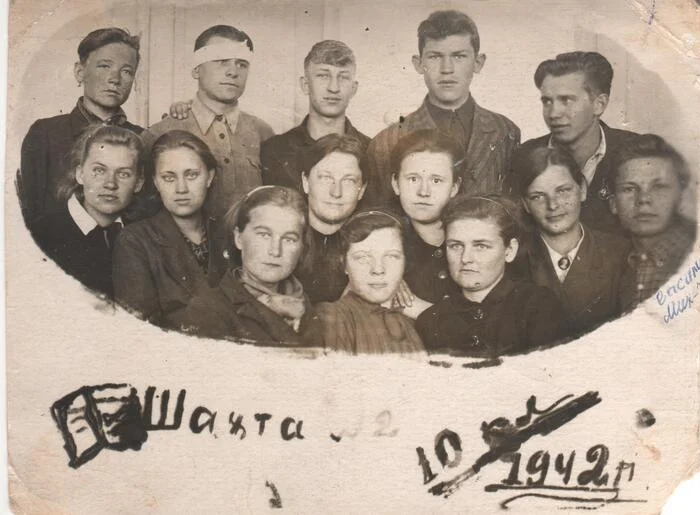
x: 221, y: 62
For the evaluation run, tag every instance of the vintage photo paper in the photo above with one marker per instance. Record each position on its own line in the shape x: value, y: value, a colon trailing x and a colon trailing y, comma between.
x: 109, y: 413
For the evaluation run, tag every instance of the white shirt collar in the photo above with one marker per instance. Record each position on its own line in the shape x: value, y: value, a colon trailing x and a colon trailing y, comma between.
x: 591, y: 165
x: 81, y: 217
x: 555, y: 256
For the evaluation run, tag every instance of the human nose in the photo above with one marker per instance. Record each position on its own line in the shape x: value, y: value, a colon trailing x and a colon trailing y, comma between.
x: 552, y: 202
x: 114, y: 77
x: 336, y: 189
x: 232, y: 70
x: 377, y: 267
x: 181, y: 185
x: 333, y: 84
x: 643, y: 197
x: 111, y: 180
x: 555, y: 110
x: 424, y: 189
x: 275, y: 249
x: 466, y: 255
x: 446, y: 65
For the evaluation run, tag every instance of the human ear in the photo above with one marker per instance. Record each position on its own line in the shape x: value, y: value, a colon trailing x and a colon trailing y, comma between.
x: 139, y: 184
x: 600, y: 103
x: 361, y: 192
x: 79, y: 72
x: 612, y: 202
x: 304, y: 84
x: 417, y: 64
x: 455, y: 187
x: 512, y: 250
x: 479, y: 61
x: 305, y: 183
x: 237, y: 238
x: 395, y: 184
x: 525, y: 206
x: 212, y: 172
x: 195, y: 72
x: 79, y: 175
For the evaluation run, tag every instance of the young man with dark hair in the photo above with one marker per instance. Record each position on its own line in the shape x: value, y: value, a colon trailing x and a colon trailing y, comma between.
x: 334, y: 184
x: 329, y: 82
x: 448, y: 57
x: 575, y: 89
x: 107, y: 62
x: 424, y: 165
x: 648, y: 178
x: 221, y: 62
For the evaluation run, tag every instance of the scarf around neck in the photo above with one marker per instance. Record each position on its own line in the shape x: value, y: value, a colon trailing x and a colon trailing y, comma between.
x: 289, y: 302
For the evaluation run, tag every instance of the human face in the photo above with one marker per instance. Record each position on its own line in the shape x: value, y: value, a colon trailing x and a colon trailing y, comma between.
x: 182, y: 180
x: 554, y: 200
x: 107, y: 76
x: 375, y: 265
x: 647, y: 195
x: 448, y: 66
x: 334, y: 187
x: 110, y: 177
x: 222, y: 81
x: 569, y: 110
x: 476, y: 254
x: 271, y: 243
x: 329, y: 88
x: 425, y: 185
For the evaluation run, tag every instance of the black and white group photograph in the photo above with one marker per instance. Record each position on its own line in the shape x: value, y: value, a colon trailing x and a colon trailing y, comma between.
x: 375, y: 227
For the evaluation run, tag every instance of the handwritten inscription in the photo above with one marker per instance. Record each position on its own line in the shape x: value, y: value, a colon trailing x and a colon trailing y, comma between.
x: 680, y: 295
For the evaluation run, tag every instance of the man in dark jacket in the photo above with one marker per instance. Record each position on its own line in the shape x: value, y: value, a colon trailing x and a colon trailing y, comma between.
x: 575, y: 89
x: 107, y: 63
x: 329, y: 82
x: 448, y: 57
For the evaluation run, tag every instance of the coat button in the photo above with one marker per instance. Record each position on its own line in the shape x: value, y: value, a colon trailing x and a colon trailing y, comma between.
x: 442, y: 274
x: 478, y: 314
x: 221, y: 135
x: 446, y: 296
x: 437, y: 253
x: 227, y: 160
x: 474, y: 341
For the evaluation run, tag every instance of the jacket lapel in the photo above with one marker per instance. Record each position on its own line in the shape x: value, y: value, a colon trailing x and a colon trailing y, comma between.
x: 482, y: 142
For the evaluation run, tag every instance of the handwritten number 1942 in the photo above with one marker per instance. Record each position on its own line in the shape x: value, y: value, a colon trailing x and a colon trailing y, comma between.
x: 538, y: 466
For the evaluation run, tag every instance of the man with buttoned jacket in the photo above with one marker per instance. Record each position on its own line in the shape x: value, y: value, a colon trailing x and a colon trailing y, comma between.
x: 448, y: 58
x: 575, y: 89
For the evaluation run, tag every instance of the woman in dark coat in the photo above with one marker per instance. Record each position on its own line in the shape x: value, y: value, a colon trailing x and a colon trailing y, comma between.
x: 581, y: 265
x: 104, y: 174
x: 495, y: 314
x: 261, y: 302
x: 162, y: 262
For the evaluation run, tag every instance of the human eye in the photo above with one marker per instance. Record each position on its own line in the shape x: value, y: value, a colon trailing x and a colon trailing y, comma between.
x: 191, y: 175
x: 454, y: 245
x: 290, y: 238
x: 243, y: 65
x: 125, y: 174
x: 128, y: 72
x: 660, y: 186
x: 546, y: 101
x: 481, y: 246
x: 535, y: 197
x: 263, y: 234
x: 626, y: 189
x: 395, y: 255
x: 98, y: 170
x: 438, y: 180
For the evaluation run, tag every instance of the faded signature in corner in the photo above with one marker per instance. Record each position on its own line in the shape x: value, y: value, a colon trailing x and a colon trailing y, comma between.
x: 679, y: 296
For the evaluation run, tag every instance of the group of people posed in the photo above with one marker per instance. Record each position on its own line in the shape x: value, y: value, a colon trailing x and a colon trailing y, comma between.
x: 441, y: 234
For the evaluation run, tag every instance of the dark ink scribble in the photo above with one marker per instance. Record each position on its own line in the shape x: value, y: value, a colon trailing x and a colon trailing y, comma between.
x: 93, y: 418
x: 504, y: 437
x: 491, y: 362
x: 645, y: 418
x: 275, y: 501
x: 573, y: 494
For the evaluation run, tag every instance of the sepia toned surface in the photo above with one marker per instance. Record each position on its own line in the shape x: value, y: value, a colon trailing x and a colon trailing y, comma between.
x: 363, y: 419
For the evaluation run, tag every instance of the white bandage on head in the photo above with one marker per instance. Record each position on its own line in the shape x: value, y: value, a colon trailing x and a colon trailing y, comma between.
x: 222, y: 51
